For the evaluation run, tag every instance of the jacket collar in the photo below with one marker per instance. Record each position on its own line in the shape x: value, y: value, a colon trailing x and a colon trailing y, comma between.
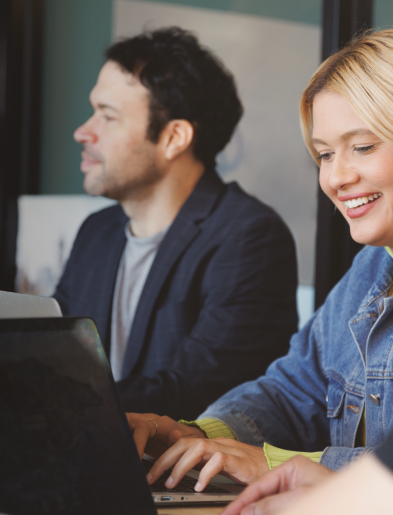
x: 183, y: 231
x: 371, y: 306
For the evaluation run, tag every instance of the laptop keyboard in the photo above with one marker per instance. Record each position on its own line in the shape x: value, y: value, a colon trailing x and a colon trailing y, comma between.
x: 186, y: 484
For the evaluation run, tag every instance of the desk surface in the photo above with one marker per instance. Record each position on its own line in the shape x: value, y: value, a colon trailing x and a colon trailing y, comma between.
x: 196, y: 510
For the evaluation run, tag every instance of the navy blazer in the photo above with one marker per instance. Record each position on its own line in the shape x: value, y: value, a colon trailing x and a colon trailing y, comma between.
x: 218, y: 305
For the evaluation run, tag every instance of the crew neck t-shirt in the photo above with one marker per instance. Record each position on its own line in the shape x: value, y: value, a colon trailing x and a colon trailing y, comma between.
x: 134, y: 267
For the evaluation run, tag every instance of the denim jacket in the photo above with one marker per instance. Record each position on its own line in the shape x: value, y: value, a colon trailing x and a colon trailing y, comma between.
x: 313, y: 398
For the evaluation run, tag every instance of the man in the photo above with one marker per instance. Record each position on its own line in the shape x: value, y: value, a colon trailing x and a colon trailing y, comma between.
x: 191, y: 282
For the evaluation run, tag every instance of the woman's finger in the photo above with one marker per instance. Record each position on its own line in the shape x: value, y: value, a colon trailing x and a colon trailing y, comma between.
x: 170, y: 458
x: 142, y: 433
x: 134, y: 419
x: 201, y: 451
x: 222, y: 462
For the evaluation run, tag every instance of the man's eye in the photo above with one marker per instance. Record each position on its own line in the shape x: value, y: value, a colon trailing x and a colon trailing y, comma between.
x: 108, y: 118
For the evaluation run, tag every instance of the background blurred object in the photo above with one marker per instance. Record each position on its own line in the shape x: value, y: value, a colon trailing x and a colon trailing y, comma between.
x: 47, y: 228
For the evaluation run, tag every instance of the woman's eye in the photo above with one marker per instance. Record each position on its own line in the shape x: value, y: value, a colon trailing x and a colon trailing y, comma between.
x: 325, y: 157
x: 365, y: 149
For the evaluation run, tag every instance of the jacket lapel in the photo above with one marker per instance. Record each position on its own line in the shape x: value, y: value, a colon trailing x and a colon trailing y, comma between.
x: 179, y: 237
x: 105, y: 287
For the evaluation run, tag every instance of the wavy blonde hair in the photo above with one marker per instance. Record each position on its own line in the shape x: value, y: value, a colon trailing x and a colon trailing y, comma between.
x: 362, y: 72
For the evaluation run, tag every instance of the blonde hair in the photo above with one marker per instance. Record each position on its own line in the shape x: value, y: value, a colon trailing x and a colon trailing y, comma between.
x: 362, y: 72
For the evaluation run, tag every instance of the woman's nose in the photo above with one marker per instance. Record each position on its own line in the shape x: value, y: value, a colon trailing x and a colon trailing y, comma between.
x: 342, y: 174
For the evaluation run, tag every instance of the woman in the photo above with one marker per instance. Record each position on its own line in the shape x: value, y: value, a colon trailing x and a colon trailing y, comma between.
x: 332, y: 394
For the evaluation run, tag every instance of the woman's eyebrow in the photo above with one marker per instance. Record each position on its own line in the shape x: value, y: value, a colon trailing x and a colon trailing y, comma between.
x: 346, y: 136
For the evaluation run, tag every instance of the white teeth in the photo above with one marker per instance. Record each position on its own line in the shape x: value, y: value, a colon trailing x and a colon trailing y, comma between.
x: 355, y: 202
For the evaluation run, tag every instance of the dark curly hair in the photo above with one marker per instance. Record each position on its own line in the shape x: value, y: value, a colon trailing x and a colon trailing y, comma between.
x: 186, y: 81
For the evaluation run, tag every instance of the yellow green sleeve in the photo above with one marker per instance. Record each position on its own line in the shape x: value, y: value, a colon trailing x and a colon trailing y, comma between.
x: 212, y: 427
x: 276, y: 456
x: 389, y: 251
x: 215, y: 428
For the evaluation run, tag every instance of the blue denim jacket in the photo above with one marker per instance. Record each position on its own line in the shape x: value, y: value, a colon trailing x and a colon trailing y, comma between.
x: 313, y: 398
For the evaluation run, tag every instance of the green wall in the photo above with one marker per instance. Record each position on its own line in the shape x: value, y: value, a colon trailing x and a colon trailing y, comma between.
x: 383, y: 14
x: 304, y: 11
x: 75, y: 36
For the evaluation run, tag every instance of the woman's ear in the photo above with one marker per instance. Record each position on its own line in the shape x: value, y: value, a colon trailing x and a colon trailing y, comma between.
x: 176, y: 138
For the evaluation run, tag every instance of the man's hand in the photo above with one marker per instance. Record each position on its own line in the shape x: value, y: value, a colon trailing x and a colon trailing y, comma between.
x: 279, y: 488
x: 154, y: 434
x: 241, y: 462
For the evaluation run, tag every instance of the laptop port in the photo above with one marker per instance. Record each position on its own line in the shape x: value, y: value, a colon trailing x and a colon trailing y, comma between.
x: 166, y: 497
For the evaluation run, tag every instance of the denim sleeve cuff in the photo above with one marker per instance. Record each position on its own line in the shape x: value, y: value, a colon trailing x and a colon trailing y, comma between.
x: 212, y: 427
x: 336, y: 457
x: 276, y: 456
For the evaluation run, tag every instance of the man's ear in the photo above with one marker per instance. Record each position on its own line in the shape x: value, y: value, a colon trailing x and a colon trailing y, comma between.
x: 176, y: 138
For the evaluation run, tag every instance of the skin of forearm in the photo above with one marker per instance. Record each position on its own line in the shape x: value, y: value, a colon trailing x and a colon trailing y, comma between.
x: 364, y: 487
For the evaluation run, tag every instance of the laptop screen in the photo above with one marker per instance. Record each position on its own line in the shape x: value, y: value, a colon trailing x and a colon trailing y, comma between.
x: 65, y: 446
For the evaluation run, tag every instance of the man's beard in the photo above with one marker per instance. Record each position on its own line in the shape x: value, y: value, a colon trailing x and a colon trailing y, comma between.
x: 135, y: 187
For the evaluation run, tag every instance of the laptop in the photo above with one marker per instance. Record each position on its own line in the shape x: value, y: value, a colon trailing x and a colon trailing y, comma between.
x: 18, y: 305
x: 65, y: 444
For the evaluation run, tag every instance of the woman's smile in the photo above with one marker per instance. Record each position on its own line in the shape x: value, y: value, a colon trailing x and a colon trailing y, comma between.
x: 356, y: 169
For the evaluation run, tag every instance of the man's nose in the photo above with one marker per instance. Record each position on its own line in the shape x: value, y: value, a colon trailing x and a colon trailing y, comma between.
x: 85, y: 133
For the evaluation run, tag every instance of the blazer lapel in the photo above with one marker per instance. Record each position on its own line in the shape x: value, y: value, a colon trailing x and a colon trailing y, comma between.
x: 179, y: 237
x: 105, y: 287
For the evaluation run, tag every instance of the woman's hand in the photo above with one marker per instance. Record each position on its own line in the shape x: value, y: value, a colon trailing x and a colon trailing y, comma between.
x: 279, y: 488
x: 241, y: 462
x: 154, y: 434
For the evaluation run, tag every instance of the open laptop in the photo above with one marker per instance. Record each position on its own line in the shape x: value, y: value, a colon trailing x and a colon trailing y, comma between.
x: 65, y: 444
x: 18, y: 305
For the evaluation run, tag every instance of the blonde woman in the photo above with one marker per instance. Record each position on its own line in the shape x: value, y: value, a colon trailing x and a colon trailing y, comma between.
x: 331, y: 397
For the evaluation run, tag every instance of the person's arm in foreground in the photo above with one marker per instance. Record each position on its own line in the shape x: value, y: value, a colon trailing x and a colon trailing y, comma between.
x: 300, y: 487
x: 362, y: 488
x: 279, y: 488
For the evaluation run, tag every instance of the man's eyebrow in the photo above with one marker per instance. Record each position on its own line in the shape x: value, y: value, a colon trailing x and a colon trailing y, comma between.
x: 346, y: 136
x: 107, y: 106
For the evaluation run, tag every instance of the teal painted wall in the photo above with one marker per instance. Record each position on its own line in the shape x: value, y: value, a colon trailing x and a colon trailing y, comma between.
x: 76, y: 34
x: 304, y: 11
x: 383, y: 14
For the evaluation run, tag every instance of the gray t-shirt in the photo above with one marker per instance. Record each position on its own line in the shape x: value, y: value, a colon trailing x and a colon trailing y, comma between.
x: 134, y: 267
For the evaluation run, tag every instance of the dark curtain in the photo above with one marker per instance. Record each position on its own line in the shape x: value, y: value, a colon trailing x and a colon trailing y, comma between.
x: 20, y: 90
x: 335, y: 249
